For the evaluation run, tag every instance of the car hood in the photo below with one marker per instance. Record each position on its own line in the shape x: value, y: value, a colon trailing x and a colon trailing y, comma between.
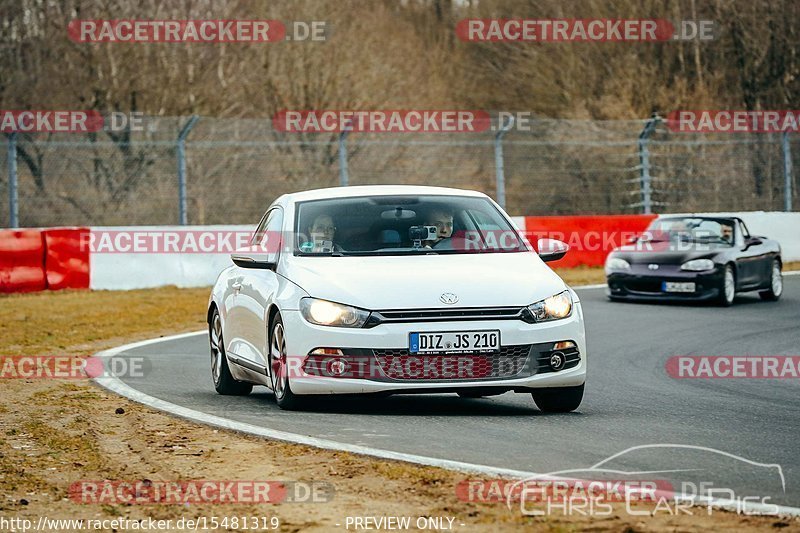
x: 409, y: 282
x: 667, y: 253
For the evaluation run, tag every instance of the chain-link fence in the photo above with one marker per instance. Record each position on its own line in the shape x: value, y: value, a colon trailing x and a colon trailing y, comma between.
x: 235, y: 167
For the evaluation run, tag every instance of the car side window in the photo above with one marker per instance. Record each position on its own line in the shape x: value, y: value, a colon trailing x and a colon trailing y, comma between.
x: 259, y: 232
x: 269, y: 230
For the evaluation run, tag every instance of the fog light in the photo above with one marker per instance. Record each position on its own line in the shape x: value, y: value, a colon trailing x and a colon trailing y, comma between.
x: 338, y: 367
x: 564, y: 345
x: 327, y: 351
x: 557, y: 361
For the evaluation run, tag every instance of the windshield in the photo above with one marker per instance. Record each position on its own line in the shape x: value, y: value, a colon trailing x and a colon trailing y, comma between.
x: 396, y: 225
x: 705, y: 230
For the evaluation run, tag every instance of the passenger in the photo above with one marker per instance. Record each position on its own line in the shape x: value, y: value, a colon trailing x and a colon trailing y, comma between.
x: 443, y: 220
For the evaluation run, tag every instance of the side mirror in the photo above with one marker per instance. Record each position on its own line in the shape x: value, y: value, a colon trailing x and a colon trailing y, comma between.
x: 254, y: 257
x: 551, y: 249
x: 752, y: 241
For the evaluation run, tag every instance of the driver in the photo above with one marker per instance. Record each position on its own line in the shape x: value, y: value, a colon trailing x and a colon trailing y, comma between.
x: 443, y: 220
x: 322, y: 229
x: 726, y: 233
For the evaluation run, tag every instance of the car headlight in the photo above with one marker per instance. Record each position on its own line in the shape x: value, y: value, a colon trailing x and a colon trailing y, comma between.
x: 615, y: 263
x: 698, y: 265
x: 325, y: 313
x: 553, y: 308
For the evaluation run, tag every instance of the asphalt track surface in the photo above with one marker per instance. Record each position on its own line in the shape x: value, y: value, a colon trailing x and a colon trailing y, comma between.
x: 630, y: 401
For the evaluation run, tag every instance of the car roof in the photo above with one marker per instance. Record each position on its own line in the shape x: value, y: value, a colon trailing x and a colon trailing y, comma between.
x: 377, y: 190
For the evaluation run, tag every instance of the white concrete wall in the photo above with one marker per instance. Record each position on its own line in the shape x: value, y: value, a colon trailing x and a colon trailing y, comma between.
x: 125, y: 271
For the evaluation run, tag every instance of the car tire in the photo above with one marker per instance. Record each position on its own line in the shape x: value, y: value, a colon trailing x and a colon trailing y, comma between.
x: 279, y: 373
x: 727, y: 289
x: 224, y: 383
x: 558, y: 400
x: 775, y: 283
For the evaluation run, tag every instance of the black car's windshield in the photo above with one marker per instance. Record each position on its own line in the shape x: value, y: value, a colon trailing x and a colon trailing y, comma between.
x: 393, y: 225
x: 692, y: 229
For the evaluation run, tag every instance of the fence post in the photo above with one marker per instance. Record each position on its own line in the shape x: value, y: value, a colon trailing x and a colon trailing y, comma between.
x: 181, y: 149
x: 645, y: 180
x: 787, y: 173
x: 344, y: 175
x: 499, y: 170
x: 13, y: 198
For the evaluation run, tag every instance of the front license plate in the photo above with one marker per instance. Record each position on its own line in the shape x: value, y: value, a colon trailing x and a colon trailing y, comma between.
x: 678, y: 286
x: 445, y: 342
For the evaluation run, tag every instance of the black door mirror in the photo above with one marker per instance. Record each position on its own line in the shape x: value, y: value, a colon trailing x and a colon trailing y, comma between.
x: 246, y: 258
x: 752, y: 241
x: 551, y: 249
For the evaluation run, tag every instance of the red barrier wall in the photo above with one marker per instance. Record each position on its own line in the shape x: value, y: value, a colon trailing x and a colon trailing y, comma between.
x: 22, y: 261
x: 66, y: 261
x: 590, y: 237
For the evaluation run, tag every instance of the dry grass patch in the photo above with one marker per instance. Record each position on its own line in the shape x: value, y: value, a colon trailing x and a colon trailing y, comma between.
x: 74, y: 321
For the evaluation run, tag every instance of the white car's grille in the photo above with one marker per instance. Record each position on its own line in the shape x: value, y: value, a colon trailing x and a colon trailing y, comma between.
x: 441, y: 315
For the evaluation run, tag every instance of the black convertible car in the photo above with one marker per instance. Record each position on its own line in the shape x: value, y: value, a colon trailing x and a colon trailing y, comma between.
x: 681, y: 258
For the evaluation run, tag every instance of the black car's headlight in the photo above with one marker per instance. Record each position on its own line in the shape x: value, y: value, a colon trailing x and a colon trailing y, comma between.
x: 698, y: 265
x: 325, y: 313
x: 615, y: 264
x: 553, y: 308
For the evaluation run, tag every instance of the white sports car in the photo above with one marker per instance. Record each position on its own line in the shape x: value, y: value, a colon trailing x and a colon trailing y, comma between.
x: 395, y: 289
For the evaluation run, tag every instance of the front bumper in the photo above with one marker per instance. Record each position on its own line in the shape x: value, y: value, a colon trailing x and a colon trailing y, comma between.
x: 303, y: 337
x: 641, y: 283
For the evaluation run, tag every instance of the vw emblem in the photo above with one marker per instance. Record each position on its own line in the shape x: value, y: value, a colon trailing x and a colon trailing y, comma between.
x: 448, y: 298
x: 652, y: 266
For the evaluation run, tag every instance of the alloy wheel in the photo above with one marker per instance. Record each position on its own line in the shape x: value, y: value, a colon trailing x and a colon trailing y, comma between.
x: 777, y: 279
x: 216, y: 348
x: 278, y: 361
x: 730, y: 285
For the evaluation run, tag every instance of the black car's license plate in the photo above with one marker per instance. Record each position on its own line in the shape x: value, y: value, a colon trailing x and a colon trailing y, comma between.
x: 678, y: 286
